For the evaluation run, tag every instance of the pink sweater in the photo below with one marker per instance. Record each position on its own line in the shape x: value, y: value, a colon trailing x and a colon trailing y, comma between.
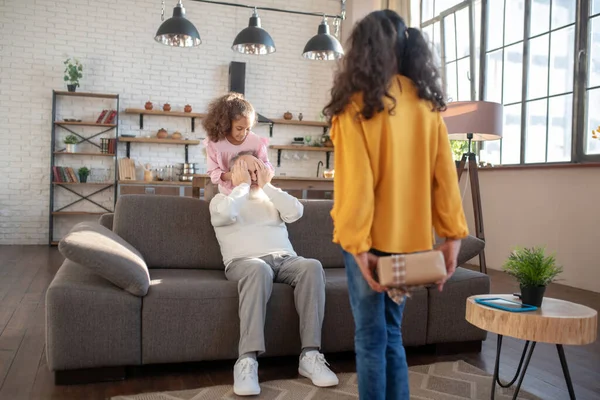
x: 219, y: 155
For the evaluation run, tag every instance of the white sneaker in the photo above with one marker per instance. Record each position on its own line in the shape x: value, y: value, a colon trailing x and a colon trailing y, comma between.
x: 314, y: 367
x: 245, y: 377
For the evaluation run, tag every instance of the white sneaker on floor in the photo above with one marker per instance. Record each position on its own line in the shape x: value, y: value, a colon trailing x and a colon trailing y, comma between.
x: 314, y: 367
x: 245, y: 377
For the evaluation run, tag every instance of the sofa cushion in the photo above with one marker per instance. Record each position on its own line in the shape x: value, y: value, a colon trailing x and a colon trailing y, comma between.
x: 106, y: 220
x: 169, y: 231
x: 106, y: 254
x: 470, y: 247
x: 446, y: 320
x: 90, y: 322
x: 311, y: 235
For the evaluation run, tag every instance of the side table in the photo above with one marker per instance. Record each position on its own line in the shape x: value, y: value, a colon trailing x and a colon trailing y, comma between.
x: 558, y: 322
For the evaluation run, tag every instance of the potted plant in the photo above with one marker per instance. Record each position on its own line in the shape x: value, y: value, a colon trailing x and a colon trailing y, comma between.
x: 534, y: 270
x: 459, y: 147
x: 83, y: 172
x: 71, y: 142
x: 73, y: 73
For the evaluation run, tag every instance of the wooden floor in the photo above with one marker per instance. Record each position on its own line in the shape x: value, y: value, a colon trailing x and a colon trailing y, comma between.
x: 26, y: 272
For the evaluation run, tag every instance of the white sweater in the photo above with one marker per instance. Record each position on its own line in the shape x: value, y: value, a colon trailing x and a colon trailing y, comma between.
x: 252, y: 224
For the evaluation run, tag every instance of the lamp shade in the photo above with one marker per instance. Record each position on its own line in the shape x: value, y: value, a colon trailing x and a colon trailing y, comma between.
x: 177, y: 31
x: 254, y: 39
x: 323, y: 46
x: 482, y: 120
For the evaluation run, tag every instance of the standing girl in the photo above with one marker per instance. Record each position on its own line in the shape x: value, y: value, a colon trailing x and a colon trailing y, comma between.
x: 227, y: 125
x: 394, y: 180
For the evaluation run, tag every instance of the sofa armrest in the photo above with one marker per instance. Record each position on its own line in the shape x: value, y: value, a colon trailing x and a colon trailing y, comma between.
x: 106, y: 220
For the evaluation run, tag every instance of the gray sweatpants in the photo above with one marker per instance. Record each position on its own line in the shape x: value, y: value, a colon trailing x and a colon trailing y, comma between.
x: 255, y: 277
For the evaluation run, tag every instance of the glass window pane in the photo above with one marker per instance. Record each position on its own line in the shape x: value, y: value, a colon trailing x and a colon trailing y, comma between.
x: 490, y: 152
x: 559, y: 131
x: 511, y: 135
x: 537, y: 83
x: 495, y: 28
x: 449, y: 38
x: 515, y: 17
x: 437, y: 40
x: 451, y: 84
x: 427, y: 10
x: 493, y: 81
x: 540, y: 17
x: 513, y: 73
x: 594, y: 71
x: 462, y: 33
x: 595, y: 7
x: 464, y: 84
x: 562, y: 48
x: 443, y: 5
x: 593, y: 123
x: 563, y: 12
x: 535, y: 139
x: 477, y: 46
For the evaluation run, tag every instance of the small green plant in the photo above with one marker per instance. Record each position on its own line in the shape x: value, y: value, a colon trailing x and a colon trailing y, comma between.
x: 532, y: 267
x: 73, y: 71
x: 85, y: 171
x: 459, y: 147
x: 71, y: 139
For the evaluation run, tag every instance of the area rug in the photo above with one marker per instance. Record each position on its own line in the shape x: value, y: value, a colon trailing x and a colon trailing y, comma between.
x: 440, y: 381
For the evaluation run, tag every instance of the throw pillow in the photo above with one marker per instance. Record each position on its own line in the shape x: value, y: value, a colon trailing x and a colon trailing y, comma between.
x: 108, y: 255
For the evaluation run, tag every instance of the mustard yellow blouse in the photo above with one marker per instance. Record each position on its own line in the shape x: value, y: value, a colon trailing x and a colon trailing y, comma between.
x: 394, y: 177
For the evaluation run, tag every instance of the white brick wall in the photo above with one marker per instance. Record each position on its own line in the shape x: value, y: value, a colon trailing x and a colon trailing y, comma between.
x: 114, y: 42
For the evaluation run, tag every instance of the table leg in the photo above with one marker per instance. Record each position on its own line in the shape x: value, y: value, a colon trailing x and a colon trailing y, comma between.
x: 565, y: 368
x: 524, y: 371
x: 496, y: 367
x: 518, y: 374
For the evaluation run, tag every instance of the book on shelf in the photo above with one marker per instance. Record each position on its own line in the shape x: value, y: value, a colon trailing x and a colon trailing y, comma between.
x: 101, y: 117
x: 111, y: 117
x: 64, y: 174
x: 57, y: 176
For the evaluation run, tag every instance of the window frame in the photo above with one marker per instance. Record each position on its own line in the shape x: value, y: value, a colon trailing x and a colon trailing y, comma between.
x: 581, y: 69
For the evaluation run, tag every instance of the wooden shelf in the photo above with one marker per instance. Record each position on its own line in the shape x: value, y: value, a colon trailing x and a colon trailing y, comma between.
x: 303, y: 123
x: 303, y: 148
x: 165, y: 113
x: 54, y: 243
x: 78, y: 213
x: 86, y: 94
x: 84, y: 124
x: 84, y: 184
x: 154, y: 183
x: 157, y: 140
x: 83, y: 153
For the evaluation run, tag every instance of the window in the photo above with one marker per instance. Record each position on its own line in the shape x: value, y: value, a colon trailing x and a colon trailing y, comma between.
x: 531, y: 66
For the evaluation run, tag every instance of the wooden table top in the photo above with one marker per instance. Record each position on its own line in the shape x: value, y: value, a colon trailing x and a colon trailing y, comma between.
x: 557, y: 321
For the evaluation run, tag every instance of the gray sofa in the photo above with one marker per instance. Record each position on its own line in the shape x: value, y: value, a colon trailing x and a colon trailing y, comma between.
x: 190, y: 312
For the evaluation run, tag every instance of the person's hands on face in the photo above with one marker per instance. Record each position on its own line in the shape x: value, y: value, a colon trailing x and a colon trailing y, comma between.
x: 264, y: 174
x: 240, y: 174
x: 449, y: 249
x: 367, y: 263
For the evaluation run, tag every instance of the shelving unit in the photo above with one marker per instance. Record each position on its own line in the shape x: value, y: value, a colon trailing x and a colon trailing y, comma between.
x: 60, y: 152
x: 186, y: 143
x: 142, y: 112
x: 326, y: 150
x: 319, y: 124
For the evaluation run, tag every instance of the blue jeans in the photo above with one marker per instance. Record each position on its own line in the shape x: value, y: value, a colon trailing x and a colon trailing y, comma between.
x: 380, y: 356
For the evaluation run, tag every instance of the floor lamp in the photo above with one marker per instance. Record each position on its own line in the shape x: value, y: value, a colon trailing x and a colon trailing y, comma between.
x: 474, y: 121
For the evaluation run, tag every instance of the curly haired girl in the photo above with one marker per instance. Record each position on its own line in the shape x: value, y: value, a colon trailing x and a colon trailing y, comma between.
x: 227, y: 124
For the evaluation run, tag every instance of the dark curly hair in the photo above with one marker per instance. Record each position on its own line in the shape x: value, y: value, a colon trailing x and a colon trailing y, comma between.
x: 382, y: 46
x: 222, y: 111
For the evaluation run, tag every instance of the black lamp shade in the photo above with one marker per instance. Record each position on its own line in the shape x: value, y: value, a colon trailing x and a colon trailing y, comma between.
x: 178, y: 31
x: 323, y: 46
x: 254, y: 39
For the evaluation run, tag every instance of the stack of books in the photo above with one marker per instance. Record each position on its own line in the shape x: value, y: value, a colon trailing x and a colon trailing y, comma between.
x: 64, y: 174
x: 107, y: 117
x: 108, y: 146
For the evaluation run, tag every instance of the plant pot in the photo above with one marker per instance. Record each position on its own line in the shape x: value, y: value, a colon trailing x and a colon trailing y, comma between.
x: 83, y: 178
x: 71, y: 88
x: 71, y: 148
x: 532, y: 295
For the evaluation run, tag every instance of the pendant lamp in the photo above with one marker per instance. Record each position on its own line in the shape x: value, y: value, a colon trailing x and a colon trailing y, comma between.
x: 254, y: 39
x: 178, y: 31
x: 323, y: 46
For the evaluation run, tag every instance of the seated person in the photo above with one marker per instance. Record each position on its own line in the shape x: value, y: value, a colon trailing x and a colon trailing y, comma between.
x: 250, y: 227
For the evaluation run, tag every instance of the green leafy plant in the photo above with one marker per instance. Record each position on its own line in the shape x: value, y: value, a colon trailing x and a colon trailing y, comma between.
x: 532, y: 267
x: 71, y: 139
x: 459, y: 147
x: 85, y: 171
x: 73, y: 71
